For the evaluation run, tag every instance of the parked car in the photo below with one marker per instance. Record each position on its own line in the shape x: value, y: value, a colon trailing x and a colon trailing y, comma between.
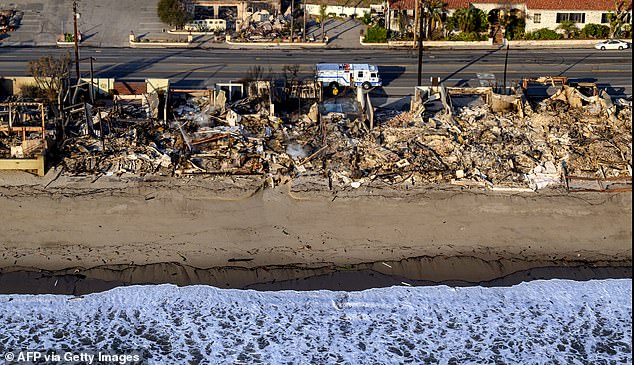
x: 612, y: 44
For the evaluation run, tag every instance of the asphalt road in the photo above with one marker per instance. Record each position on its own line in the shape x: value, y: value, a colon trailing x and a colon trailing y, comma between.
x: 398, y: 68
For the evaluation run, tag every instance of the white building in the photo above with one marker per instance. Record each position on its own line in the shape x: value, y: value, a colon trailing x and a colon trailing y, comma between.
x: 549, y: 13
x: 537, y: 13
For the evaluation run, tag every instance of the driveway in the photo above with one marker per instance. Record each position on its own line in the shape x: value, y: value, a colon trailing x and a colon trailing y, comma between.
x: 103, y: 23
x: 342, y: 33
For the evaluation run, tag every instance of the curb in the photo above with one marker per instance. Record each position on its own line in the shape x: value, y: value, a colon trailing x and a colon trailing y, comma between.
x: 160, y: 44
x: 65, y: 44
x: 564, y: 43
x: 278, y: 44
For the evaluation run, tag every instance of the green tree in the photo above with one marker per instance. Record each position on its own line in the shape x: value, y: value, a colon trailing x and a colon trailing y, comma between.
x: 468, y: 20
x: 515, y: 28
x: 569, y: 28
x: 617, y: 19
x: 173, y: 12
x: 433, y: 11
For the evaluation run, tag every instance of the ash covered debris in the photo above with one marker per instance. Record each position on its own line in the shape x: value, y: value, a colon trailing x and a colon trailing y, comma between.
x: 481, y: 137
x: 23, y: 136
x: 10, y: 20
x: 578, y: 138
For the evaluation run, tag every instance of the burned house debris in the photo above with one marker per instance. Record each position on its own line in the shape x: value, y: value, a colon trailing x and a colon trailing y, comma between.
x: 10, y: 20
x: 22, y: 136
x: 577, y: 139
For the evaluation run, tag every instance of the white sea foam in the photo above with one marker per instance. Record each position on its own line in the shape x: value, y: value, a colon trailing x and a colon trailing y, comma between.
x: 555, y: 321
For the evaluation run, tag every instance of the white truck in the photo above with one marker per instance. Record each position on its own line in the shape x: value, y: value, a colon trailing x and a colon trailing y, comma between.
x: 335, y: 75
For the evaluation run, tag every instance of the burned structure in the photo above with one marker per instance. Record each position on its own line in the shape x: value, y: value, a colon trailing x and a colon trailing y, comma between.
x: 10, y: 20
x: 577, y: 138
x: 23, y: 138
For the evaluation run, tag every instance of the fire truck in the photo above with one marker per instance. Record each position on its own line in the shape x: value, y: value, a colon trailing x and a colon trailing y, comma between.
x: 336, y: 75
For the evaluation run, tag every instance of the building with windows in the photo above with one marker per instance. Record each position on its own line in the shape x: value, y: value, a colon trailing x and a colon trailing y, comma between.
x: 540, y: 14
x: 537, y: 13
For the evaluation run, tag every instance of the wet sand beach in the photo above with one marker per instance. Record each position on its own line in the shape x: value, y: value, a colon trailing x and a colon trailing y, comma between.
x: 195, y: 230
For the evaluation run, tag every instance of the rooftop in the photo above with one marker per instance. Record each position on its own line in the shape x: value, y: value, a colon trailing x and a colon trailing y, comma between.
x: 530, y: 4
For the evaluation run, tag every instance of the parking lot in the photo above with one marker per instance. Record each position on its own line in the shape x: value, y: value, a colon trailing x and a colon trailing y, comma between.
x: 103, y: 23
x: 107, y: 23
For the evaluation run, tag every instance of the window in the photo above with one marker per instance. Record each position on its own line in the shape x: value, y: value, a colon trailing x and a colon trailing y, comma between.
x: 360, y: 74
x: 573, y: 17
x: 537, y: 18
x: 373, y: 75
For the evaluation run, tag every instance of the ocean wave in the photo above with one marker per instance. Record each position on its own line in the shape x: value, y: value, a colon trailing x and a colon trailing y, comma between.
x: 554, y: 321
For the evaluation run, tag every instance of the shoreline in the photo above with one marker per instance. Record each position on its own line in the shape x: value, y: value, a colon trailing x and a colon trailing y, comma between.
x: 84, y: 224
x: 355, y: 278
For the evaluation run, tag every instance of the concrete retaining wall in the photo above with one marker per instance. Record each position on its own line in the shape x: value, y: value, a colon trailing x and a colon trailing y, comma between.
x: 563, y: 43
x: 160, y: 44
x: 277, y: 44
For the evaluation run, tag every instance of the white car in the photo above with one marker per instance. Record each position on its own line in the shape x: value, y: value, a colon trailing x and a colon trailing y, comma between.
x: 612, y: 44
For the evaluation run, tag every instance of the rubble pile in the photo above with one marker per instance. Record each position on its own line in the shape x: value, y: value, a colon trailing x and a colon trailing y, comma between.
x: 10, y: 20
x: 476, y: 146
x: 265, y: 28
x: 464, y: 137
x: 221, y: 137
x: 22, y: 130
x: 134, y: 147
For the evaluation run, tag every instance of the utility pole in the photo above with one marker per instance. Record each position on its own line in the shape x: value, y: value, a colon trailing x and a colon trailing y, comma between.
x: 75, y: 15
x: 304, y: 33
x: 92, y: 82
x: 292, y: 21
x: 416, y: 15
x: 420, y: 47
x: 506, y: 62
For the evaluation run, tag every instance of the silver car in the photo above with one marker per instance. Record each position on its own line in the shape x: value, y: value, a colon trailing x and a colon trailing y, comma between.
x: 612, y: 44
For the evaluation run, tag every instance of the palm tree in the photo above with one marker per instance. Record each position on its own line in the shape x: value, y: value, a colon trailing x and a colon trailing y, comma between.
x: 466, y: 20
x: 433, y: 11
x: 569, y: 28
x: 403, y: 21
x: 322, y: 19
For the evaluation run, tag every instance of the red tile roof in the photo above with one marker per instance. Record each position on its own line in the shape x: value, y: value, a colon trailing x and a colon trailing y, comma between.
x: 530, y: 4
x: 457, y: 4
x: 573, y: 4
x: 402, y: 4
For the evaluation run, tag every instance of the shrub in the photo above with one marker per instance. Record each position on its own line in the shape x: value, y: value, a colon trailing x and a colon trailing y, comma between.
x: 468, y: 20
x: 595, y: 31
x: 367, y: 19
x: 543, y: 34
x: 376, y: 35
x: 468, y: 37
